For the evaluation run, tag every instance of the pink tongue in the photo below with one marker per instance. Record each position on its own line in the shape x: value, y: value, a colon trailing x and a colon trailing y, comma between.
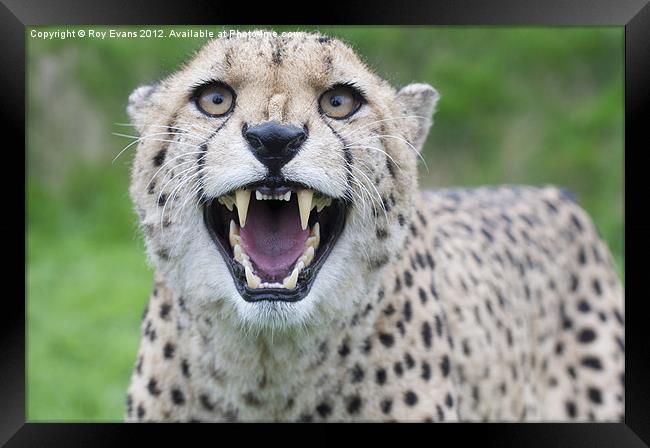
x: 273, y: 237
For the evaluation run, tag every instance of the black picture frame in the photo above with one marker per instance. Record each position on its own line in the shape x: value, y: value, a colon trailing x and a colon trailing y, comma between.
x: 633, y: 15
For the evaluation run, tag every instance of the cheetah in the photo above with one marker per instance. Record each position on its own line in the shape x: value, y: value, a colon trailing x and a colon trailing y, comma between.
x: 301, y: 276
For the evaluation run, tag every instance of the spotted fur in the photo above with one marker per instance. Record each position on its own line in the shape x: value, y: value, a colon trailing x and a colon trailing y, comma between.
x: 489, y: 304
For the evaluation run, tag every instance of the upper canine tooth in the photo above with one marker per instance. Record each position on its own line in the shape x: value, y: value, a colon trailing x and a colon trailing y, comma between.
x: 304, y: 204
x: 287, y: 196
x: 243, y: 197
x: 258, y: 195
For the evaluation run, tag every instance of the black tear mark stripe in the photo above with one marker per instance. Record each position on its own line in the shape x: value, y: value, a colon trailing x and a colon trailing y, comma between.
x: 347, y: 155
x: 200, y: 160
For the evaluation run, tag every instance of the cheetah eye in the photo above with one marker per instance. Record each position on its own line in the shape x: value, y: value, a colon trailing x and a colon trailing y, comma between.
x: 215, y: 100
x: 340, y: 102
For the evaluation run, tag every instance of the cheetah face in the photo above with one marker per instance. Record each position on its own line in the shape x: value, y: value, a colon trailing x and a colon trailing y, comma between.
x: 275, y: 175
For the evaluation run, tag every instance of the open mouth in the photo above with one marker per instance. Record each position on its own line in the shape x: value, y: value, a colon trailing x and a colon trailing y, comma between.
x: 274, y: 239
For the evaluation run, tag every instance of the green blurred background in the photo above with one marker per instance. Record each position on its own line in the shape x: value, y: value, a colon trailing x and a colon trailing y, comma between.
x: 519, y: 105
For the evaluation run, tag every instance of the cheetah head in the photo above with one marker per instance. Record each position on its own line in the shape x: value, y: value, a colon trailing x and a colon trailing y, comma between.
x: 274, y: 176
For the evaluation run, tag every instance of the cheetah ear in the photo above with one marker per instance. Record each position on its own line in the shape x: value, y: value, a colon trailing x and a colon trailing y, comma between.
x: 418, y: 100
x: 139, y: 105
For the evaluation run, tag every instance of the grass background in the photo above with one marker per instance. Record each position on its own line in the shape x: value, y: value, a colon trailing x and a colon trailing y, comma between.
x: 519, y: 105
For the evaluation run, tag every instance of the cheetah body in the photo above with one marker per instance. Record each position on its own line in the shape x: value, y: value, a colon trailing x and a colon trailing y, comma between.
x: 496, y: 304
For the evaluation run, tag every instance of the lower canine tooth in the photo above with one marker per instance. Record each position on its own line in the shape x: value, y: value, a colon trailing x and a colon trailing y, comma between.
x: 252, y: 280
x: 290, y: 282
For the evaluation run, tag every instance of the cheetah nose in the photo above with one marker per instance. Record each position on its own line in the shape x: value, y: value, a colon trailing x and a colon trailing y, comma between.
x: 274, y: 144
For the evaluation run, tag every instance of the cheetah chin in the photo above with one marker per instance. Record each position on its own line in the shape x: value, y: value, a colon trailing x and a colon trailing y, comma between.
x: 274, y: 237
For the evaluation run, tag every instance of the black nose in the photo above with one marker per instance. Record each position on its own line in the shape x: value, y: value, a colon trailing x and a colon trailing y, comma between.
x: 274, y: 144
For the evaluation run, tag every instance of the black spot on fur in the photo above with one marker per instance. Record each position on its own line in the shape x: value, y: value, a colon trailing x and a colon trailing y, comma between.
x: 444, y: 366
x: 367, y: 346
x: 408, y: 312
x: 152, y: 387
x: 386, y: 339
x: 596, y: 286
x: 571, y: 409
x: 449, y: 401
x: 164, y: 310
x: 423, y: 295
x: 159, y: 158
x: 576, y: 222
x: 324, y: 410
x: 586, y: 335
x: 357, y: 374
x: 353, y: 404
x: 185, y: 368
x: 408, y: 278
x: 409, y: 361
x: 438, y: 322
x: 168, y: 350
x: 592, y: 362
x: 386, y: 405
x: 595, y: 396
x: 426, y: 371
x: 252, y: 400
x: 410, y: 398
x: 178, y: 398
x: 380, y: 376
x: 205, y: 402
x: 426, y: 334
x: 344, y: 349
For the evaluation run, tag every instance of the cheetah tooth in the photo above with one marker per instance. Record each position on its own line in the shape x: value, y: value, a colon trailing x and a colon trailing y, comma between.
x: 258, y: 195
x: 252, y: 280
x: 308, y: 256
x: 226, y: 201
x: 314, y: 239
x: 322, y: 203
x: 291, y: 281
x: 233, y: 234
x: 305, y: 198
x: 237, y: 253
x: 287, y: 196
x: 243, y: 198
